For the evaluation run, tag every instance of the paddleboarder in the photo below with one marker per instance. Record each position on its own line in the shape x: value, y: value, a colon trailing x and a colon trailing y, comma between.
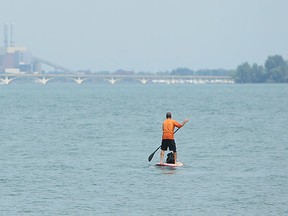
x: 168, y: 136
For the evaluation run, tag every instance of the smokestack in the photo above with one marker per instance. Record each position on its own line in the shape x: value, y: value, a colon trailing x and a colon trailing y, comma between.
x: 11, y: 39
x: 5, y: 35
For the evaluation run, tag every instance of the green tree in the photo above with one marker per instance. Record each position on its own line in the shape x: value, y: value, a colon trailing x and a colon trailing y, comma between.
x: 257, y: 74
x: 182, y: 71
x: 276, y: 69
x: 243, y: 73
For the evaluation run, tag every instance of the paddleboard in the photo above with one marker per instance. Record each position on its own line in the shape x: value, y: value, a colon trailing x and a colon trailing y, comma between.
x: 169, y: 164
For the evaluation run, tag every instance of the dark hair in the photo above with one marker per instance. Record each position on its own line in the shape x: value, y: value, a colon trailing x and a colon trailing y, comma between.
x: 168, y: 115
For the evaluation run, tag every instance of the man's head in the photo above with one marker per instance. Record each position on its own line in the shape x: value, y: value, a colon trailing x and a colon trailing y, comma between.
x: 168, y: 115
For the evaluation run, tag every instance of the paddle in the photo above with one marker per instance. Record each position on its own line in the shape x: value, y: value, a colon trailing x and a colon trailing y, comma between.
x: 152, y: 155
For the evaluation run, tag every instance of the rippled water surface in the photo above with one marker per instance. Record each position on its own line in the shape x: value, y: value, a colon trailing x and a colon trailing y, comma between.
x: 82, y: 150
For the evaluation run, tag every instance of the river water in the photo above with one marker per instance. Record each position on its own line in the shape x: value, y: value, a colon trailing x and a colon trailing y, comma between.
x: 70, y: 149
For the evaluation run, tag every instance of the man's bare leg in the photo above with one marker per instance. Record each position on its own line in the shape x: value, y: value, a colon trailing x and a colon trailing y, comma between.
x: 161, y: 156
x: 175, y: 157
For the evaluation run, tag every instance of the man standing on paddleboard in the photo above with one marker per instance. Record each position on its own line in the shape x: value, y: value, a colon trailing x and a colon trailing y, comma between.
x: 168, y: 136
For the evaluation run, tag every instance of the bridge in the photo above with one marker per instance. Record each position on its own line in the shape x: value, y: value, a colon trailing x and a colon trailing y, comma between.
x: 113, y: 78
x: 62, y: 72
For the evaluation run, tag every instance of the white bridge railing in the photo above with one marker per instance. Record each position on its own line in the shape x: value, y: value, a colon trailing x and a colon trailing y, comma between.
x: 113, y: 78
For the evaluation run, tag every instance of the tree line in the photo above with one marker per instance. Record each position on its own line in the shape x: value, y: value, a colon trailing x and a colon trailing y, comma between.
x: 275, y: 70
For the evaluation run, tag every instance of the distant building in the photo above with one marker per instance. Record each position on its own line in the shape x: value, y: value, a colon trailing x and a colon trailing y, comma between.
x: 15, y: 60
x: 19, y: 60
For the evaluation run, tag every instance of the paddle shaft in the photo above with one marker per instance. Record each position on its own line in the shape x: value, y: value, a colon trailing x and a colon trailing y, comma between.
x: 152, y: 155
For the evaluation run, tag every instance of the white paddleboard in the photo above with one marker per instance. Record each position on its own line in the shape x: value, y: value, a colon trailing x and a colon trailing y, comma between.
x: 169, y: 164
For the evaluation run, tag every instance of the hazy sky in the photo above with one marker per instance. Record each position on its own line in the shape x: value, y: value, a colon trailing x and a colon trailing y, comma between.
x: 149, y: 35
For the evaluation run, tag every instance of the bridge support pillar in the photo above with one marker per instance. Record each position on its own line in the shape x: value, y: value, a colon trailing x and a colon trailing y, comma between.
x: 143, y: 80
x: 112, y: 80
x: 42, y: 80
x: 79, y: 80
x: 6, y: 80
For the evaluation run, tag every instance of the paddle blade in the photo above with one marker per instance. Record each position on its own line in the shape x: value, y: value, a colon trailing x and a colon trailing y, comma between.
x: 151, y: 156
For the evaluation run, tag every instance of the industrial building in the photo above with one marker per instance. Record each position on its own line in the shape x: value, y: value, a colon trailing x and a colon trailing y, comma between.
x: 14, y: 59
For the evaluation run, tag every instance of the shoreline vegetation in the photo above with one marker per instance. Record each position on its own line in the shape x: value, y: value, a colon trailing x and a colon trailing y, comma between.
x: 274, y: 70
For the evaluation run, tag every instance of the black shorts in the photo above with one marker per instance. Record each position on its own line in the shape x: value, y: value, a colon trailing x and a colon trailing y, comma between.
x: 168, y: 143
